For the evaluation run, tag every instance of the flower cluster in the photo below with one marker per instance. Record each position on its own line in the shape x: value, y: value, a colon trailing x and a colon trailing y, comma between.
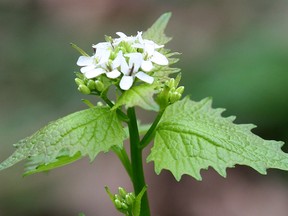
x: 126, y: 58
x: 123, y: 201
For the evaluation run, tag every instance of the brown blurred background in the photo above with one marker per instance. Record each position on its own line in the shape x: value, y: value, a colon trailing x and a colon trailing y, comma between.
x: 235, y: 51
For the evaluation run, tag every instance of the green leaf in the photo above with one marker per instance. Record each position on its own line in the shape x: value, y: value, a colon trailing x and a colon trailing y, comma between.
x: 32, y: 166
x: 141, y: 95
x: 192, y: 136
x: 156, y: 34
x: 137, y: 204
x: 156, y: 31
x: 65, y: 140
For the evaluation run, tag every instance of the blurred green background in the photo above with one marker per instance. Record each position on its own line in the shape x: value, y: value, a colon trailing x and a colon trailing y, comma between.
x: 235, y: 51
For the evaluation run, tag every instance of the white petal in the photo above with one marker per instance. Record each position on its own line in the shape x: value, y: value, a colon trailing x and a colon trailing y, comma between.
x: 126, y: 82
x: 138, y: 45
x: 94, y: 73
x: 159, y: 59
x: 84, y: 60
x: 102, y: 45
x: 113, y: 74
x: 144, y: 77
x: 103, y: 55
x: 118, y: 60
x: 139, y: 37
x: 149, y: 47
x: 87, y: 68
x: 125, y: 68
x: 121, y: 34
x: 147, y: 66
x: 156, y: 46
x: 135, y: 61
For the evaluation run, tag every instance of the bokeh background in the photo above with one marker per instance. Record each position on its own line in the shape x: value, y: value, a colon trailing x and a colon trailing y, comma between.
x: 235, y: 51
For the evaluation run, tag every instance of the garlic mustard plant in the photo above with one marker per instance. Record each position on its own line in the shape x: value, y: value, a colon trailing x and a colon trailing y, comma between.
x: 185, y: 137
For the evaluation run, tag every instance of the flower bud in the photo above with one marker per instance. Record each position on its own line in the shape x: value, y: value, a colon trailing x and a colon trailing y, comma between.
x: 175, y: 96
x: 91, y: 85
x: 99, y: 85
x: 124, y: 206
x: 180, y: 89
x: 172, y: 89
x: 79, y: 81
x: 129, y: 198
x: 118, y: 204
x: 122, y: 192
x: 170, y: 83
x: 117, y: 197
x: 84, y: 89
x: 108, y: 39
x: 99, y: 103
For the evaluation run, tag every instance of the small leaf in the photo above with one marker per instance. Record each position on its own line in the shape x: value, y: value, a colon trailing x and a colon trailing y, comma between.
x: 156, y: 31
x: 65, y: 140
x: 137, y: 204
x: 32, y: 166
x: 192, y: 136
x: 141, y: 95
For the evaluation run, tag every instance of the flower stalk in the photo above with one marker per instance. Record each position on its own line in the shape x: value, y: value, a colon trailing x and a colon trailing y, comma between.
x: 136, y: 162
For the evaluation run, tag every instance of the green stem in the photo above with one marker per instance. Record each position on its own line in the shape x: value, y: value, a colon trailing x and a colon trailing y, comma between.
x: 136, y: 161
x: 123, y: 157
x: 120, y: 113
x: 151, y: 132
x: 106, y: 99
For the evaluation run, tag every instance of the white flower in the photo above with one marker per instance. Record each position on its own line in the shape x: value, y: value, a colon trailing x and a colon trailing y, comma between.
x: 123, y: 37
x: 97, y: 64
x: 149, y: 48
x: 128, y: 64
x: 89, y: 66
x: 131, y: 70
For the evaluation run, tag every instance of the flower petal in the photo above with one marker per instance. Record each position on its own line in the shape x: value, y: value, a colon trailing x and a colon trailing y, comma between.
x: 138, y: 45
x: 94, y: 73
x: 124, y: 67
x: 149, y: 47
x: 144, y: 77
x: 103, y: 55
x: 126, y: 82
x: 113, y: 74
x: 102, y: 45
x: 135, y: 61
x: 84, y: 60
x: 139, y: 37
x: 118, y: 60
x: 147, y: 66
x: 121, y: 34
x: 87, y: 68
x: 159, y: 59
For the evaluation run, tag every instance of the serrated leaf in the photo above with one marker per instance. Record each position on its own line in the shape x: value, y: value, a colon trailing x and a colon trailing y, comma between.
x: 156, y: 31
x: 141, y: 95
x: 192, y: 136
x: 86, y: 132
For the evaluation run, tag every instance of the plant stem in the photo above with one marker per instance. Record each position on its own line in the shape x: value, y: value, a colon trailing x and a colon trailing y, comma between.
x: 136, y: 161
x: 150, y: 133
x: 123, y: 157
x: 121, y: 114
